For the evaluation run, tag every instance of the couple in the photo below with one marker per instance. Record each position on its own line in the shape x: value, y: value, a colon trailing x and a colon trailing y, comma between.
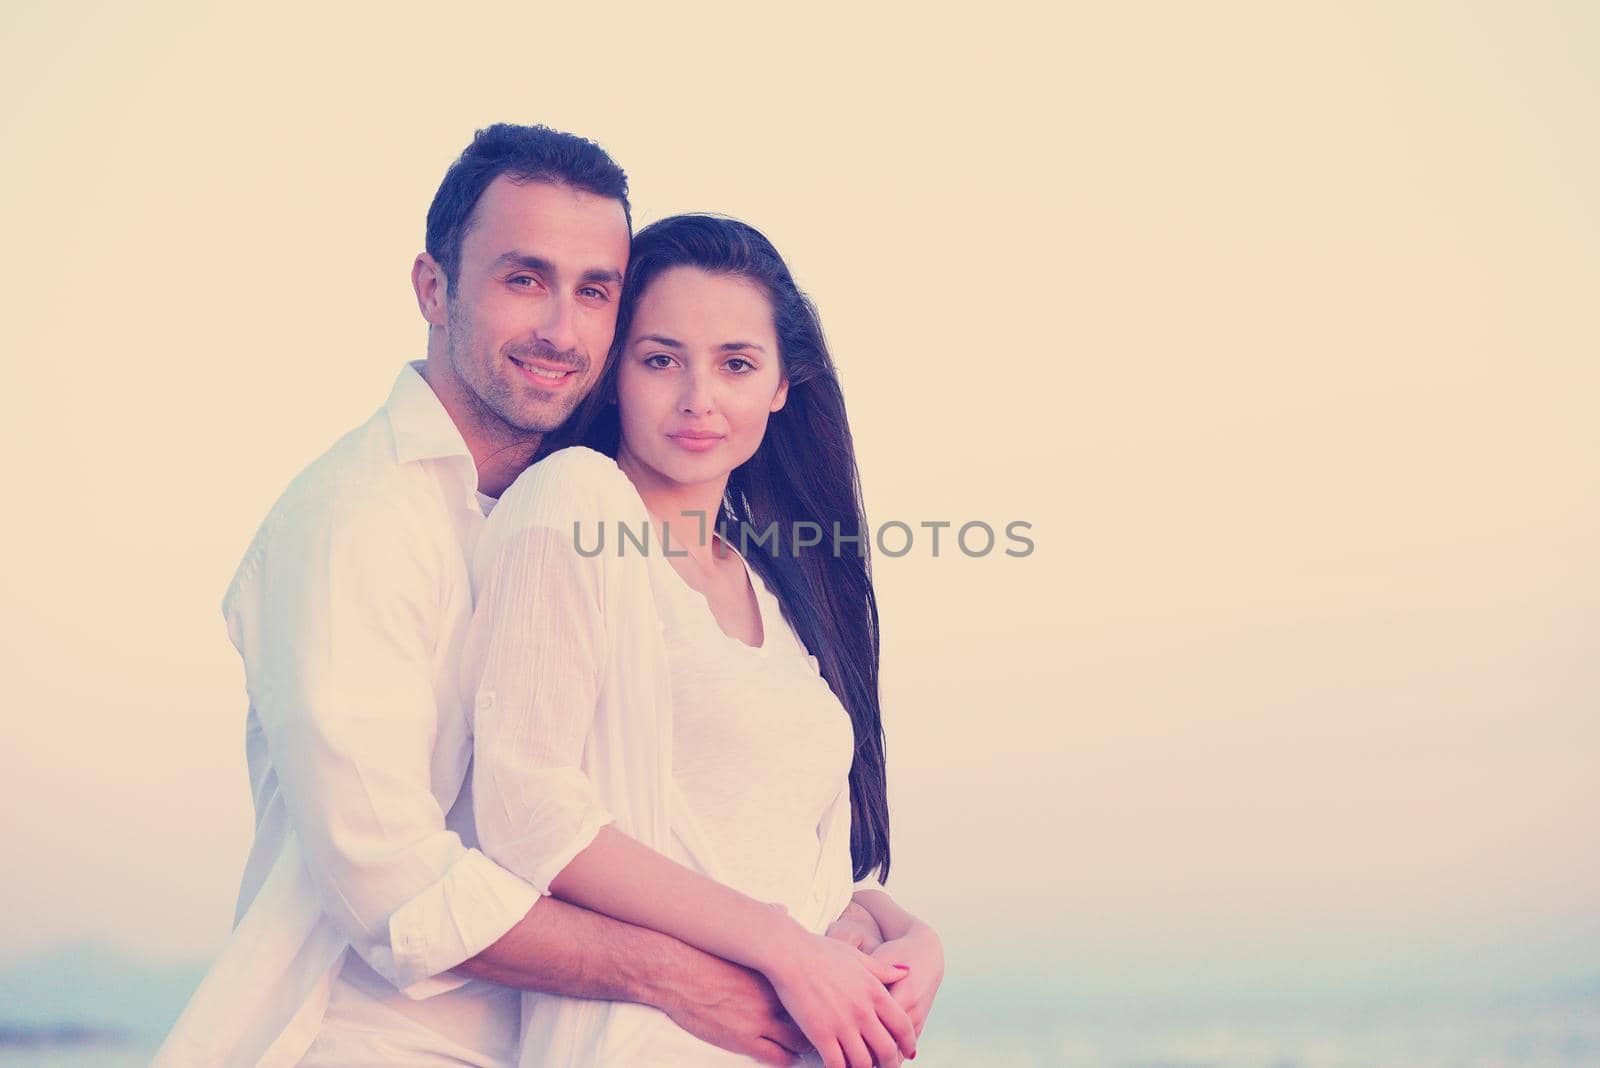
x: 518, y: 802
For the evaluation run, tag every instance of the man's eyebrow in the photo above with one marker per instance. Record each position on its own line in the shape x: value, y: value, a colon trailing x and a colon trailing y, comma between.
x: 525, y: 260
x: 602, y: 274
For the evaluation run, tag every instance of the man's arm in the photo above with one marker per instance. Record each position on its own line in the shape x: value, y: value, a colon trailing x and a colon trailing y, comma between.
x: 337, y: 620
x: 559, y: 948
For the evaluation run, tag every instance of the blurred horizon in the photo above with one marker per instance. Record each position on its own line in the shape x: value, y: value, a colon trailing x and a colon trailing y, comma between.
x: 84, y: 1005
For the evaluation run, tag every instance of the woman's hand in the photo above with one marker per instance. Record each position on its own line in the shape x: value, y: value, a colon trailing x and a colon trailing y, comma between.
x: 856, y: 927
x: 839, y: 996
x: 921, y: 951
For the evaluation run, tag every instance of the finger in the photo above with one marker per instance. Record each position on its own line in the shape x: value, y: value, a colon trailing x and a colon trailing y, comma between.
x: 885, y: 973
x: 907, y: 997
x: 832, y: 1056
x: 769, y: 1052
x: 784, y: 1032
x: 899, y: 1025
x: 919, y: 1017
x: 856, y: 1053
x: 885, y: 1054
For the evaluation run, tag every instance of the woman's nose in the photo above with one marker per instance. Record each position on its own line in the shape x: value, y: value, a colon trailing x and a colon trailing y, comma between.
x: 696, y: 397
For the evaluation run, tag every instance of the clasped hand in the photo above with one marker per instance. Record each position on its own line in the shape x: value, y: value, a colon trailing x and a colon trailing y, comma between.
x: 840, y: 998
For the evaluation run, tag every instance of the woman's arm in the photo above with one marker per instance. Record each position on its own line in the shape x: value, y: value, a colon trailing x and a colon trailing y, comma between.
x: 856, y: 927
x: 894, y: 921
x: 839, y: 996
x: 625, y: 879
x: 911, y: 943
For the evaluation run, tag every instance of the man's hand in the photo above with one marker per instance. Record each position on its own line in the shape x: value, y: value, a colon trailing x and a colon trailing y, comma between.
x: 923, y: 953
x: 855, y: 926
x: 737, y: 1009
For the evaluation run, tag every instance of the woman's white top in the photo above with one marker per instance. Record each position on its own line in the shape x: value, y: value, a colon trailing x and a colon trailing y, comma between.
x: 605, y: 691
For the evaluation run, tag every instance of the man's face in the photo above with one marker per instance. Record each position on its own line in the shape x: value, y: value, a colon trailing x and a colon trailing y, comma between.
x: 534, y: 303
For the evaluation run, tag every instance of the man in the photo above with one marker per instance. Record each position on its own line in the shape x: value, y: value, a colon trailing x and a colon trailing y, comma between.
x: 370, y: 930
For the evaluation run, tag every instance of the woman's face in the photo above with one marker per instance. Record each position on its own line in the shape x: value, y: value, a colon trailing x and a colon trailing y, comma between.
x: 698, y: 376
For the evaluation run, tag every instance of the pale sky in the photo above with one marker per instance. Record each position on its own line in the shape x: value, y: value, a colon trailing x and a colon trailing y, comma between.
x: 1277, y: 327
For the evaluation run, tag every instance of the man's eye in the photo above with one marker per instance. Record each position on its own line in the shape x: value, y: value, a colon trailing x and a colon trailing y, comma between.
x: 592, y: 293
x: 524, y: 280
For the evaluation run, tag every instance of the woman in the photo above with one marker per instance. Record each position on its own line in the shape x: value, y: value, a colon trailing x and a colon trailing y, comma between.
x: 655, y: 739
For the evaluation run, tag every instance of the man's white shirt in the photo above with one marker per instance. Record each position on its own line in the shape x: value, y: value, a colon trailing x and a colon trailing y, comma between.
x: 348, y: 611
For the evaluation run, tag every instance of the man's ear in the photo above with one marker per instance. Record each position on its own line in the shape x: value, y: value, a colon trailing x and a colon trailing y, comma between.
x: 428, y: 280
x: 780, y: 398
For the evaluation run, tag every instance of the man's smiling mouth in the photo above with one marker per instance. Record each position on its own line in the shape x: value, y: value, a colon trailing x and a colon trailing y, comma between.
x: 543, y: 372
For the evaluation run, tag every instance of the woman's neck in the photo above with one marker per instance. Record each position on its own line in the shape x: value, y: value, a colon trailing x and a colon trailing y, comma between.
x: 685, y: 513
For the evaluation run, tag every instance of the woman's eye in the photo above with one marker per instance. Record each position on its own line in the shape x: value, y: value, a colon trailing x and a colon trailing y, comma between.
x: 740, y: 365
x: 666, y: 361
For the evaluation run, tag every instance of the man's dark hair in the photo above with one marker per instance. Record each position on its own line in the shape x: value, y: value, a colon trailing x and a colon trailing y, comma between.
x: 526, y: 154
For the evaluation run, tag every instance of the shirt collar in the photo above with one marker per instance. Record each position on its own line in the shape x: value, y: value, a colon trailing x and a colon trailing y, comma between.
x: 423, y: 430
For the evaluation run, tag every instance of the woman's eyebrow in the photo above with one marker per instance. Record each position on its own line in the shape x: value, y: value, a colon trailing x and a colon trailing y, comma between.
x: 674, y: 343
x: 657, y: 339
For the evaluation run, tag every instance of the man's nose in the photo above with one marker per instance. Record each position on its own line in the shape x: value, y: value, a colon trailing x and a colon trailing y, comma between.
x: 560, y: 326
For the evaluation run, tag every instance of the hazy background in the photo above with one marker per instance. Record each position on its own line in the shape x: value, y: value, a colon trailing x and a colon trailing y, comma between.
x: 1276, y: 321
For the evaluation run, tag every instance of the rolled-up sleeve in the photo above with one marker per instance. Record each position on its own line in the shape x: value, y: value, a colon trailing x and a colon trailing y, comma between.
x: 534, y: 657
x: 338, y: 626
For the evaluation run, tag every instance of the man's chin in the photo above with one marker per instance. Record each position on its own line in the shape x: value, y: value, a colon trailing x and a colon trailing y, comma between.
x: 542, y: 419
x: 530, y: 411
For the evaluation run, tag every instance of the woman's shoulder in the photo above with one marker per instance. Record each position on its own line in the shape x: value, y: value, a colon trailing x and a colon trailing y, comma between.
x: 579, y: 468
x: 575, y: 483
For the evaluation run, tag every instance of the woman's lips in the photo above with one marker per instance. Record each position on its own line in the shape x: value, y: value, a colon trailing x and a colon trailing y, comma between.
x: 697, y: 440
x: 548, y: 376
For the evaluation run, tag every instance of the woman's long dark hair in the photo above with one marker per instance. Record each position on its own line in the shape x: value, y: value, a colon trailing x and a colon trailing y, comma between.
x: 803, y: 472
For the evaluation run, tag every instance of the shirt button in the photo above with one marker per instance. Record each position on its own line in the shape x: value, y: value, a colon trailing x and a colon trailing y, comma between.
x: 485, y: 700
